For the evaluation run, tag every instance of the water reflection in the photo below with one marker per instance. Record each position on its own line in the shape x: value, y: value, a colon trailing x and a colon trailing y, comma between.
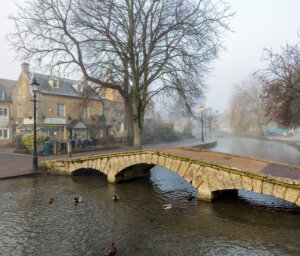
x: 137, y: 223
x: 268, y: 150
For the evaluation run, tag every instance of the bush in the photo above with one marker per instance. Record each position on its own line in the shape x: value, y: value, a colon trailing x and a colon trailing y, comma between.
x: 147, y: 136
x: 27, y: 141
x: 165, y: 134
x: 18, y: 141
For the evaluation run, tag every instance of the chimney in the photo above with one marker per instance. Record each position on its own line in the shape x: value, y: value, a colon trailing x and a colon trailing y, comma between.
x: 83, y: 79
x: 108, y: 75
x: 25, y: 67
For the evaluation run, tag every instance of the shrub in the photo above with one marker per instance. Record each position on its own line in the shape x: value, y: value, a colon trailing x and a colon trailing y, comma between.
x: 165, y: 134
x: 27, y: 141
x: 18, y: 141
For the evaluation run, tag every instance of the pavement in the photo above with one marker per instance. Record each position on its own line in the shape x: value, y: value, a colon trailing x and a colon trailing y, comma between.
x: 13, y: 165
x: 241, y: 162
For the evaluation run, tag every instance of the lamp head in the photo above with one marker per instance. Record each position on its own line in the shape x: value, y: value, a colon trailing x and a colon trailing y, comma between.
x: 201, y: 108
x: 34, y: 85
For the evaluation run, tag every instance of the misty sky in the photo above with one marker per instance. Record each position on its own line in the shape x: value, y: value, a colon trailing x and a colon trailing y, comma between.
x: 257, y: 24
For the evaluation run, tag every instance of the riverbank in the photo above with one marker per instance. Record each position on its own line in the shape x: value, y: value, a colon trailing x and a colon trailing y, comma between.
x: 293, y: 141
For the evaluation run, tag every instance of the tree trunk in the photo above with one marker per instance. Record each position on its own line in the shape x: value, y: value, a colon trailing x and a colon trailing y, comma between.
x: 137, y: 125
x: 129, y: 118
x: 137, y: 135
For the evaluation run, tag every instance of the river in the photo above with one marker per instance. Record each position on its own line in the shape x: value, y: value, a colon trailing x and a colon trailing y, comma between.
x: 248, y: 224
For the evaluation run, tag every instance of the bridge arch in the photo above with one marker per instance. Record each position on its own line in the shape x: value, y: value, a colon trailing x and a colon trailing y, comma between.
x: 86, y: 171
x: 209, y: 179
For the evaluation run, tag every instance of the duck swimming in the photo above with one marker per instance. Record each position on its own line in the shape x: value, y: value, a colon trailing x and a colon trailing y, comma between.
x: 76, y: 200
x: 110, y: 250
x: 167, y: 206
x: 190, y: 197
x: 116, y: 197
x: 50, y: 200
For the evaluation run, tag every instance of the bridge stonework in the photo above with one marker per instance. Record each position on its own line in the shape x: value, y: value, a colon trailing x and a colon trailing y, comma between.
x: 209, y: 179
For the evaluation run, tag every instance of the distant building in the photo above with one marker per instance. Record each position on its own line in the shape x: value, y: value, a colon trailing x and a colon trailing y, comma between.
x: 64, y: 109
x: 150, y: 111
x: 6, y: 119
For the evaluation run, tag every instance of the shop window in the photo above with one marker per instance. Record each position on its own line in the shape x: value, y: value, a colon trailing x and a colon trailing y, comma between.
x: 4, y: 134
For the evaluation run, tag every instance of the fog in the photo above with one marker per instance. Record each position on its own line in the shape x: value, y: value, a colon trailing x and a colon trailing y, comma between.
x: 257, y: 24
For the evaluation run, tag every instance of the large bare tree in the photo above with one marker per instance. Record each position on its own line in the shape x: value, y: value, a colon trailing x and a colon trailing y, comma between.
x: 149, y: 46
x: 281, y: 85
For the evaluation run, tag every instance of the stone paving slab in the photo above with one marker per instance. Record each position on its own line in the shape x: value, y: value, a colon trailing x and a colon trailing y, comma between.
x: 243, y: 163
x: 12, y: 165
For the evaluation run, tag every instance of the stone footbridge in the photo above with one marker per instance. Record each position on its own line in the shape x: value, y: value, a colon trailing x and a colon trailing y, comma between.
x: 211, y: 173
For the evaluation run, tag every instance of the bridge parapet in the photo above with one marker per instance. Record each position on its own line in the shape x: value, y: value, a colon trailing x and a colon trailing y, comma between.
x: 210, y: 179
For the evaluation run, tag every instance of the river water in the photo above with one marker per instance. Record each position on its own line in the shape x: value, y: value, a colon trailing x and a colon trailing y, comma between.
x: 248, y: 224
x: 263, y: 149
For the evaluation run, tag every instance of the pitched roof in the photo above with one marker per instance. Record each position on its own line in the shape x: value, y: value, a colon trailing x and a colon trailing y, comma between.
x: 76, y: 124
x: 8, y: 86
x: 65, y: 87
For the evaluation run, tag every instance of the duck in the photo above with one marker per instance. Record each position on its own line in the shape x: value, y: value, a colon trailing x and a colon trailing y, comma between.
x: 110, y: 250
x: 167, y: 206
x: 190, y: 197
x: 80, y: 199
x: 76, y: 200
x: 50, y: 200
x: 116, y: 197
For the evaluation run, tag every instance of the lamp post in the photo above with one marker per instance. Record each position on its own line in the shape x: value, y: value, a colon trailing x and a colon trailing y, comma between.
x: 201, y: 110
x: 35, y: 88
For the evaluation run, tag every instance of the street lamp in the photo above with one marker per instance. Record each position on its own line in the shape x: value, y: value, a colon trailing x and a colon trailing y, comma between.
x: 201, y: 110
x: 34, y: 88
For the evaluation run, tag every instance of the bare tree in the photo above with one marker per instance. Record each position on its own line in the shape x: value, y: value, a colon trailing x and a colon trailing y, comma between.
x: 281, y: 85
x: 246, y: 113
x: 211, y: 118
x: 149, y: 46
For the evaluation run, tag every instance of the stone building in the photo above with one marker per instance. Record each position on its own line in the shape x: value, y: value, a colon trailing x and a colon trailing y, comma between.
x: 63, y: 108
x: 6, y: 87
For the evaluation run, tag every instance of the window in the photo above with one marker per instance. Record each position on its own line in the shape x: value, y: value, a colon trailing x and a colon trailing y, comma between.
x: 20, y: 111
x: 103, y: 94
x: 4, y: 134
x: 106, y: 113
x: 3, y: 112
x: 60, y: 109
x: 55, y: 83
x: 85, y: 112
x: 149, y: 113
x: 118, y: 113
x: 20, y: 90
x: 79, y: 88
x: 1, y: 94
x: 51, y: 133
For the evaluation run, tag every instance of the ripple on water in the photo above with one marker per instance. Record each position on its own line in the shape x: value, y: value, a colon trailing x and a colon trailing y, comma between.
x: 137, y: 223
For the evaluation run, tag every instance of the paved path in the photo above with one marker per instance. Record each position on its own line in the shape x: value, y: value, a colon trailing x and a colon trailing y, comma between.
x: 15, y: 165
x: 244, y: 163
x: 12, y: 165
